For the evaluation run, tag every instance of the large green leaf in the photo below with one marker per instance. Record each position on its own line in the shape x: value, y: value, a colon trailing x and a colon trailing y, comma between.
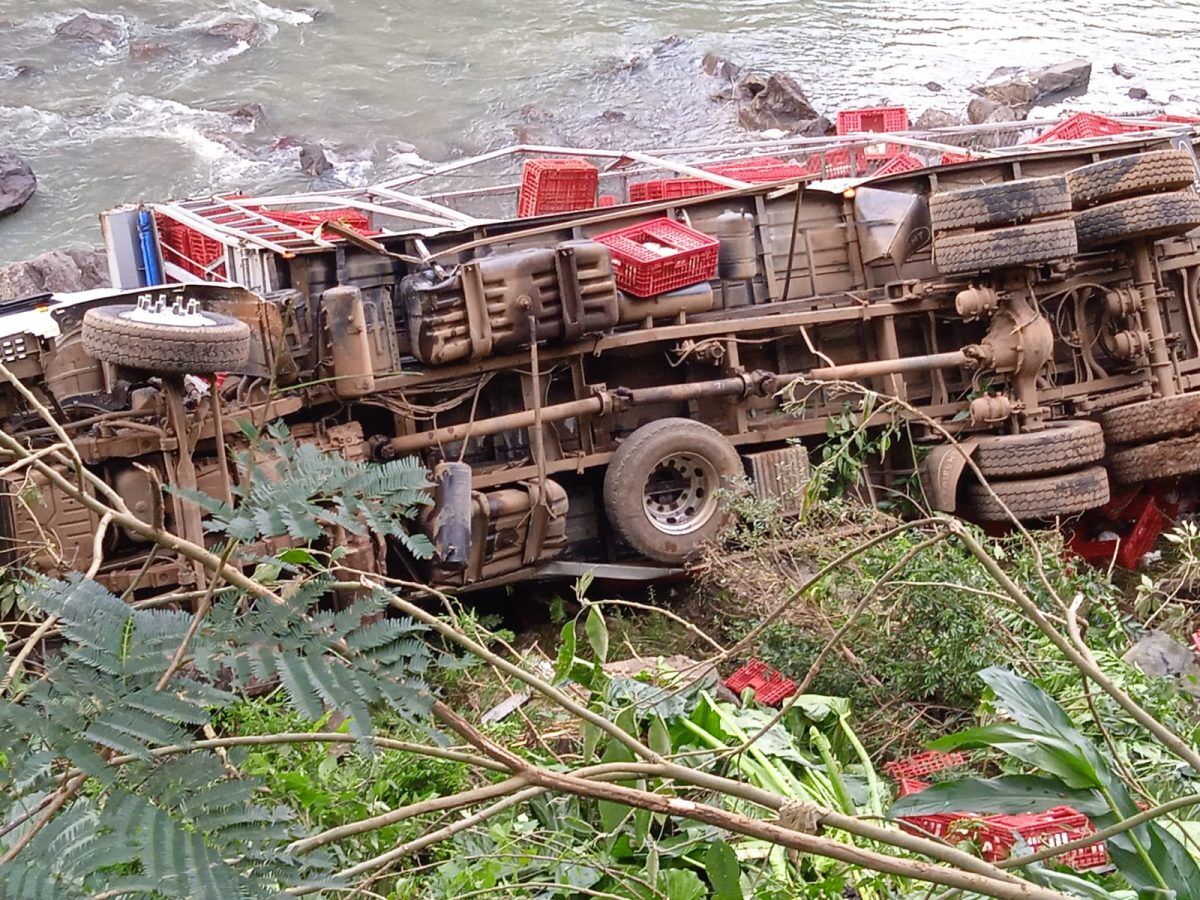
x: 681, y: 884
x: 597, y: 633
x: 1045, y: 750
x: 1006, y: 794
x: 724, y: 872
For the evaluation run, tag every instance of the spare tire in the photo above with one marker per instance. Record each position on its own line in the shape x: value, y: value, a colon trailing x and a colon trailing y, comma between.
x: 1161, y: 459
x: 1040, y: 498
x: 1130, y: 176
x: 166, y: 341
x: 1007, y: 203
x: 660, y: 488
x: 1056, y: 448
x: 999, y: 248
x: 1150, y: 420
x: 1147, y: 216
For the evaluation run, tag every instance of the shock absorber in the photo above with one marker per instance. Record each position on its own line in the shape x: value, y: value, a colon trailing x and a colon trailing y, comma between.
x: 1160, y: 359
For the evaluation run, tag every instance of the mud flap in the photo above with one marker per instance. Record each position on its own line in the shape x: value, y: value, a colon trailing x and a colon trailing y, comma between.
x: 940, y: 473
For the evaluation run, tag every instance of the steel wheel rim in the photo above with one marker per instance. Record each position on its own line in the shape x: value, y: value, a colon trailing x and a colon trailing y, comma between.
x: 679, y: 494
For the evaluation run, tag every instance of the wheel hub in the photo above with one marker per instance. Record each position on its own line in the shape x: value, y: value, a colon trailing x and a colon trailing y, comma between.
x: 679, y: 495
x: 156, y: 311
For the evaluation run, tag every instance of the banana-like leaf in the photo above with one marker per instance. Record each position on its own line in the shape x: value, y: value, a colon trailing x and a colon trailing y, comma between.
x: 1006, y: 794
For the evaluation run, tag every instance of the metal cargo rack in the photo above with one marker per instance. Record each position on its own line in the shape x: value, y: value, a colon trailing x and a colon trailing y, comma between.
x: 433, y: 201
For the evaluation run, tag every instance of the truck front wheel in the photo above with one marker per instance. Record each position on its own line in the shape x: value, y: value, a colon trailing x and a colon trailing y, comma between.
x: 660, y: 490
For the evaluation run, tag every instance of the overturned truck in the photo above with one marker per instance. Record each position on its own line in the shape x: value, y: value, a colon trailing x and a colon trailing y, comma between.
x: 580, y: 385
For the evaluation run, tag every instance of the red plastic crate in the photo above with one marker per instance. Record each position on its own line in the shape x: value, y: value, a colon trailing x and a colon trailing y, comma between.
x: 907, y: 786
x: 901, y: 162
x: 1178, y: 120
x: 950, y: 159
x: 671, y: 189
x: 935, y: 824
x: 753, y: 170
x: 557, y: 185
x: 643, y: 272
x: 308, y: 220
x: 840, y: 163
x: 759, y: 170
x: 606, y: 200
x: 1083, y: 125
x: 997, y: 835
x: 873, y: 119
x: 187, y: 248
x: 770, y: 686
x: 923, y: 764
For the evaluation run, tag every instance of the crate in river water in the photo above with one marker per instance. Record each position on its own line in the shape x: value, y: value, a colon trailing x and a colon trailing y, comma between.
x: 660, y: 256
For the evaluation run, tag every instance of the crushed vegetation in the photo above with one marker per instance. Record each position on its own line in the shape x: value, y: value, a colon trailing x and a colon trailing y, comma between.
x: 313, y: 732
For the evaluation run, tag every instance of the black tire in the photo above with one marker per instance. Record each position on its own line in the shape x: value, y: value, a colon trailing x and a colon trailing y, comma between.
x: 1002, y: 247
x: 1058, y: 447
x: 1150, y: 420
x: 1148, y: 216
x: 629, y: 488
x: 1009, y: 203
x: 1040, y: 498
x: 1161, y: 459
x: 223, y: 346
x: 1131, y: 176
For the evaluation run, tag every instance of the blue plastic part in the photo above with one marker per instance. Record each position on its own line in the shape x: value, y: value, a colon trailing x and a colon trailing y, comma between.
x: 150, y: 273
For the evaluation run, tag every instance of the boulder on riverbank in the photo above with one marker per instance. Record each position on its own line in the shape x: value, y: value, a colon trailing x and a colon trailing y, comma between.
x: 1023, y: 89
x: 59, y: 271
x: 17, y: 183
x: 937, y: 118
x: 778, y: 102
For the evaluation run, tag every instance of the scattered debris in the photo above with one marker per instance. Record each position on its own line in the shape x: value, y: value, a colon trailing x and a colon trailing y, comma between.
x: 933, y: 87
x: 1121, y: 70
x: 1138, y: 93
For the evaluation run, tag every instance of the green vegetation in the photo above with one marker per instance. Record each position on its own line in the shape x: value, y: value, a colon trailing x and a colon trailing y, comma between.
x: 319, y: 732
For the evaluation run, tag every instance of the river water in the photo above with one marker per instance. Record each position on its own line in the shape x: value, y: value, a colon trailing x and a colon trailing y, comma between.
x: 146, y: 115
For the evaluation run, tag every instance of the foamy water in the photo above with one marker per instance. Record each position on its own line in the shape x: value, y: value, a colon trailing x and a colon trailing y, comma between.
x: 146, y: 115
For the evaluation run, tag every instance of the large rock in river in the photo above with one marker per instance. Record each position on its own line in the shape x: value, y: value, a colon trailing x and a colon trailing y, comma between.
x: 89, y: 29
x: 1023, y: 89
x: 779, y: 103
x: 17, y: 183
x: 58, y: 271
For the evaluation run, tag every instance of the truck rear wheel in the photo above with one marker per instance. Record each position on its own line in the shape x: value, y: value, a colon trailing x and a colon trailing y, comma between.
x: 1148, y: 216
x: 660, y: 490
x: 198, y: 343
x: 1149, y: 420
x: 1161, y: 459
x: 999, y: 248
x: 1039, y: 498
x: 1057, y: 447
x: 1008, y: 203
x: 1129, y: 176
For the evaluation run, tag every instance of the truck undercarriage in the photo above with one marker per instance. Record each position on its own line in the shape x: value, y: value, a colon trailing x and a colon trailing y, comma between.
x: 1038, y: 306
